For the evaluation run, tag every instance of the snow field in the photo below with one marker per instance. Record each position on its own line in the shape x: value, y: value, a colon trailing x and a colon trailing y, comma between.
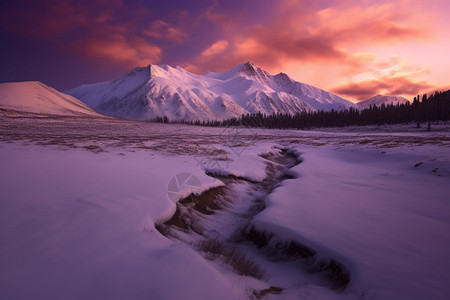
x: 78, y: 224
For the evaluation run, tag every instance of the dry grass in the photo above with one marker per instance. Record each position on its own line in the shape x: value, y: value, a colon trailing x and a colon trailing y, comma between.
x: 185, y: 217
x: 240, y: 263
x: 272, y: 290
x: 207, y: 202
x: 334, y: 273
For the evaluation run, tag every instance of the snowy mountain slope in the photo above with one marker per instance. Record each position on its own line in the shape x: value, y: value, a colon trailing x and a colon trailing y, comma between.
x: 36, y: 97
x: 161, y: 90
x: 379, y: 100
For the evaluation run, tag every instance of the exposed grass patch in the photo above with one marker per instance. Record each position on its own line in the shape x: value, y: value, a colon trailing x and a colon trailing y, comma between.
x: 207, y: 201
x: 93, y: 148
x: 365, y: 141
x: 288, y: 175
x: 229, y: 176
x: 260, y: 239
x: 298, y: 250
x: 177, y: 220
x: 241, y: 264
x: 336, y: 275
x: 272, y: 290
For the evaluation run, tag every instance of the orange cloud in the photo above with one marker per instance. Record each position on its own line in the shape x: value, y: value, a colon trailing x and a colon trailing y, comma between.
x: 384, y: 85
x: 370, y: 44
x: 132, y: 52
x: 379, y: 23
x: 301, y: 33
x: 359, y: 62
x: 216, y: 48
x: 338, y: 39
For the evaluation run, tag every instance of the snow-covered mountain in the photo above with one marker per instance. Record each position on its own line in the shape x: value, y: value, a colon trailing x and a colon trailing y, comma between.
x: 38, y: 98
x: 161, y: 90
x: 378, y: 100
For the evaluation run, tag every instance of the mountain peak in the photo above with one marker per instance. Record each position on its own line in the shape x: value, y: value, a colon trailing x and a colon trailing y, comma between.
x: 249, y: 69
x: 139, y: 71
x: 148, y: 72
x: 283, y: 79
x: 155, y: 71
x: 250, y: 63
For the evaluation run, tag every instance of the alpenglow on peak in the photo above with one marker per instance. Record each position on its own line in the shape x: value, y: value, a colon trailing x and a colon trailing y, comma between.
x: 160, y: 90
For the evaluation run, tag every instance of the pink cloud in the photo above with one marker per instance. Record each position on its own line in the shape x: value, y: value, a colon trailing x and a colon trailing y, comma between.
x: 383, y: 85
x: 380, y: 23
x: 216, y: 48
x: 164, y: 31
x: 130, y: 52
x: 302, y: 33
x: 342, y: 37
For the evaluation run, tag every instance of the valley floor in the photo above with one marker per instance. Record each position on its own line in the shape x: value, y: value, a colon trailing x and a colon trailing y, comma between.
x: 81, y: 198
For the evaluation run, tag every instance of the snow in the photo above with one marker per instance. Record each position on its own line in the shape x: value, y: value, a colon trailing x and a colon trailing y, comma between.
x: 36, y: 97
x: 160, y: 90
x: 378, y: 214
x: 244, y: 162
x: 76, y: 223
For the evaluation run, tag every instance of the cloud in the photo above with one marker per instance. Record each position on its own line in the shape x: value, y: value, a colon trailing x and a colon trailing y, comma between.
x: 302, y: 32
x: 162, y: 30
x: 56, y: 20
x: 397, y: 85
x: 359, y: 62
x: 131, y: 52
x: 380, y: 23
x: 93, y: 29
x: 364, y: 74
x: 216, y: 48
x: 343, y: 44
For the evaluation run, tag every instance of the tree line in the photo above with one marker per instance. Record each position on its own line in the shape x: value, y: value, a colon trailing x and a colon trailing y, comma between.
x: 426, y: 109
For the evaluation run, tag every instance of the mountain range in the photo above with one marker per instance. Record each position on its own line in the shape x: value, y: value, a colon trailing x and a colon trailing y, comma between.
x: 146, y: 93
x: 161, y: 90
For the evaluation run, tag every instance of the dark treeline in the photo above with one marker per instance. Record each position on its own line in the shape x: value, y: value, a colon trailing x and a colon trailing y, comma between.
x: 428, y: 109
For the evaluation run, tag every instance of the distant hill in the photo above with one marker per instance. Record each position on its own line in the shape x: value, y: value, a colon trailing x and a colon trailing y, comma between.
x: 378, y: 100
x: 38, y: 98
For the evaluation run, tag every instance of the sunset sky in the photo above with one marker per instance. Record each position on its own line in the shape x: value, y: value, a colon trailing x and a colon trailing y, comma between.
x: 355, y: 49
